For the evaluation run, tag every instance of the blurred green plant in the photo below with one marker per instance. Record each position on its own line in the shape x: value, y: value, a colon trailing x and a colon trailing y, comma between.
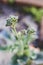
x: 36, y: 12
x: 21, y: 43
x: 11, y: 1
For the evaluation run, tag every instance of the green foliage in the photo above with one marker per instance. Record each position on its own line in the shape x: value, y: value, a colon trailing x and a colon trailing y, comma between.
x: 11, y: 1
x: 18, y: 60
x: 37, y: 12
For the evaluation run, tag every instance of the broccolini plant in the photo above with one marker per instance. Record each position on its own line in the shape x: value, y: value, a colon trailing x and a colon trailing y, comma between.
x: 21, y: 44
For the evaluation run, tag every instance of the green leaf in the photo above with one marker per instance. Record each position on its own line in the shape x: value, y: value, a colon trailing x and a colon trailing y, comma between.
x: 33, y: 10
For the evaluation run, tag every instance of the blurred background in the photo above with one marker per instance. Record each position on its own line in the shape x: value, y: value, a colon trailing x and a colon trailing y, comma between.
x: 30, y: 12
